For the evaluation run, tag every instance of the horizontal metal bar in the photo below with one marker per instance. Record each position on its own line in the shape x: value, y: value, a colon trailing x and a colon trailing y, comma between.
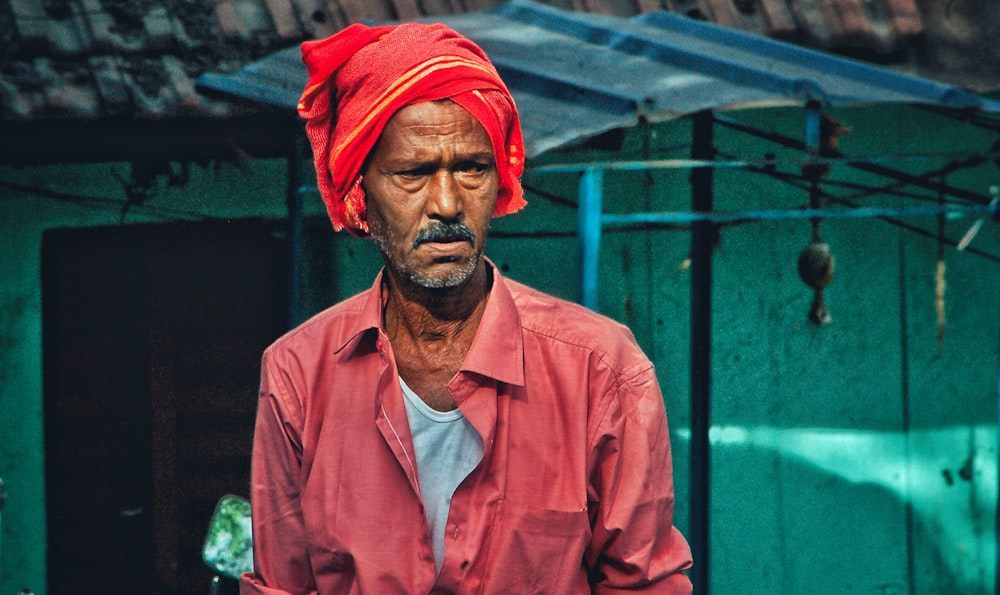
x: 776, y: 215
x: 648, y: 164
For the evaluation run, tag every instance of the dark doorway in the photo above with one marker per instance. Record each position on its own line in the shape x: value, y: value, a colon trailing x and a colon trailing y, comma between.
x: 152, y: 342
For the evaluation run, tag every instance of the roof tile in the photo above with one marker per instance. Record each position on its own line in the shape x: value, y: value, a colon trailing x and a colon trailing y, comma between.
x: 187, y: 100
x: 436, y: 7
x: 856, y: 28
x: 406, y: 9
x: 565, y: 4
x: 649, y: 5
x: 780, y: 20
x: 243, y: 19
x: 104, y: 35
x: 329, y: 18
x: 67, y: 38
x: 112, y: 90
x: 721, y: 11
x: 610, y: 7
x: 307, y: 15
x: 819, y: 21
x: 725, y: 13
x: 256, y: 15
x: 149, y: 88
x: 358, y: 12
x: 286, y: 23
x: 67, y: 89
x: 477, y: 5
x: 679, y: 5
x: 31, y: 25
x: 229, y: 21
x: 100, y: 57
x: 905, y: 18
x: 747, y: 16
x: 19, y: 98
x: 159, y: 29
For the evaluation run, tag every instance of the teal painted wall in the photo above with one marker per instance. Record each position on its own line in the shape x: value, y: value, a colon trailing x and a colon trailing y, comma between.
x: 858, y: 457
x: 255, y: 190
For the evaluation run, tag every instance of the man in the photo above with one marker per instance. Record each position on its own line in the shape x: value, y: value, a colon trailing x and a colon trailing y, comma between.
x: 449, y: 430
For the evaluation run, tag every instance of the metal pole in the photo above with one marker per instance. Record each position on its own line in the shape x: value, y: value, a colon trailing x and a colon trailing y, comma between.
x: 682, y: 218
x: 702, y: 243
x: 590, y: 196
x: 296, y: 250
x: 3, y: 499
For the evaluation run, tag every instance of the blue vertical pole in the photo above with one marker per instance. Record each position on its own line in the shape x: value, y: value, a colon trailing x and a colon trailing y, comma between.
x: 591, y: 197
x: 812, y: 128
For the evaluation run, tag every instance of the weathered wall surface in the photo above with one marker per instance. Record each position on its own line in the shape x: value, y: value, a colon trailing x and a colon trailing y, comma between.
x: 88, y: 196
x: 858, y: 457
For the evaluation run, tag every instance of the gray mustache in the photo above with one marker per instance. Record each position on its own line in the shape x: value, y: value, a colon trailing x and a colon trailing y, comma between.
x: 445, y: 232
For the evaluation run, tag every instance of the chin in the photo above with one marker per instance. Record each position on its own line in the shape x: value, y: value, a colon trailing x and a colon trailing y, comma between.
x: 443, y: 275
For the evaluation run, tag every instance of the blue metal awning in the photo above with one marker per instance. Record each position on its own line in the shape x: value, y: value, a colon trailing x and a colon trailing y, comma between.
x: 575, y: 75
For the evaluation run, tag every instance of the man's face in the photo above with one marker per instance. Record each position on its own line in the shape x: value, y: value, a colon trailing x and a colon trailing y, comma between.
x: 431, y: 185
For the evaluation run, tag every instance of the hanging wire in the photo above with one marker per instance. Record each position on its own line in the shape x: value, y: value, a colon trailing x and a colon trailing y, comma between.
x: 678, y: 221
x: 109, y: 204
x: 960, y: 159
x: 892, y: 217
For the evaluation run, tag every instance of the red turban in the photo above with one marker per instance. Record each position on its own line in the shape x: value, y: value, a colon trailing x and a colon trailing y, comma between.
x: 361, y: 76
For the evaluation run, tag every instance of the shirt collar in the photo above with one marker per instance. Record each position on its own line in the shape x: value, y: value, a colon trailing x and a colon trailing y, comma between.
x: 497, y: 350
x: 369, y: 316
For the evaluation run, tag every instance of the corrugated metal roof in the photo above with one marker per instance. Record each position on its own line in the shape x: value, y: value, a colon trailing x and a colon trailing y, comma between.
x: 575, y: 75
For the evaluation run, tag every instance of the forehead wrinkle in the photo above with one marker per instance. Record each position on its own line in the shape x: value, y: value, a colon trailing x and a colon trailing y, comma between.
x: 432, y: 142
x: 431, y: 134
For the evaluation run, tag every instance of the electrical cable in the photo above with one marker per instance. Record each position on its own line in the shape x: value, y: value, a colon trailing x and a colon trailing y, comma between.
x: 110, y: 204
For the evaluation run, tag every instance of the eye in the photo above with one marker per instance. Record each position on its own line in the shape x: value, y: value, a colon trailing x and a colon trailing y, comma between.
x: 414, y: 173
x: 473, y: 167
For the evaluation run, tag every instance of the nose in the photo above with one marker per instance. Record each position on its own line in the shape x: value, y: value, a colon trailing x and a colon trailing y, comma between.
x: 445, y: 201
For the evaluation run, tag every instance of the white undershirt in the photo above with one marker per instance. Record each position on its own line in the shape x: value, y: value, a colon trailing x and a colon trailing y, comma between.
x: 447, y: 448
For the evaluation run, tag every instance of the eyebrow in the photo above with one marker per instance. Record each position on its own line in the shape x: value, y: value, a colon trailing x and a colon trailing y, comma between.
x: 397, y: 160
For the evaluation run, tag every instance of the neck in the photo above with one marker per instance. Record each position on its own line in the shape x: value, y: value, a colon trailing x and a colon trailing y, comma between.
x: 424, y: 314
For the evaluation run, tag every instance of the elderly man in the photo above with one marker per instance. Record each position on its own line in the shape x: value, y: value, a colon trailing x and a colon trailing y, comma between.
x: 449, y: 430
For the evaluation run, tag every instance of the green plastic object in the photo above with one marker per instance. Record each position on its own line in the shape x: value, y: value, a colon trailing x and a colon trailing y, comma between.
x: 229, y: 543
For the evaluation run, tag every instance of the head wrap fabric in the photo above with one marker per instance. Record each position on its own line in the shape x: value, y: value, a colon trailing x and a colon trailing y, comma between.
x: 360, y: 77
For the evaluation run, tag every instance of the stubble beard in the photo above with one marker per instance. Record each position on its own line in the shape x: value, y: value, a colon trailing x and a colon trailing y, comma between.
x: 407, y: 270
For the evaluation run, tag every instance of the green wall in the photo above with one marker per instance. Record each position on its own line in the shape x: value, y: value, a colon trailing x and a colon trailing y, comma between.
x: 226, y: 191
x: 858, y: 457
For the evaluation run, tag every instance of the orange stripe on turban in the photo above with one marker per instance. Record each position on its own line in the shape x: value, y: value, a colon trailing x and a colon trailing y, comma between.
x: 361, y: 76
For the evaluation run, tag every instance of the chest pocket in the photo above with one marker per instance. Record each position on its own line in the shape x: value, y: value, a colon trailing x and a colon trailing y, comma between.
x: 538, y: 550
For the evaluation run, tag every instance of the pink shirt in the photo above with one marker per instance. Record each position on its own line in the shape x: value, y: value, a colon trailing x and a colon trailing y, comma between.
x: 574, y: 493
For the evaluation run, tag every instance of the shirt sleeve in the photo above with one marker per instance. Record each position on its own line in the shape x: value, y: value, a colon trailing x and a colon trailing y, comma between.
x: 634, y: 545
x: 281, y: 564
